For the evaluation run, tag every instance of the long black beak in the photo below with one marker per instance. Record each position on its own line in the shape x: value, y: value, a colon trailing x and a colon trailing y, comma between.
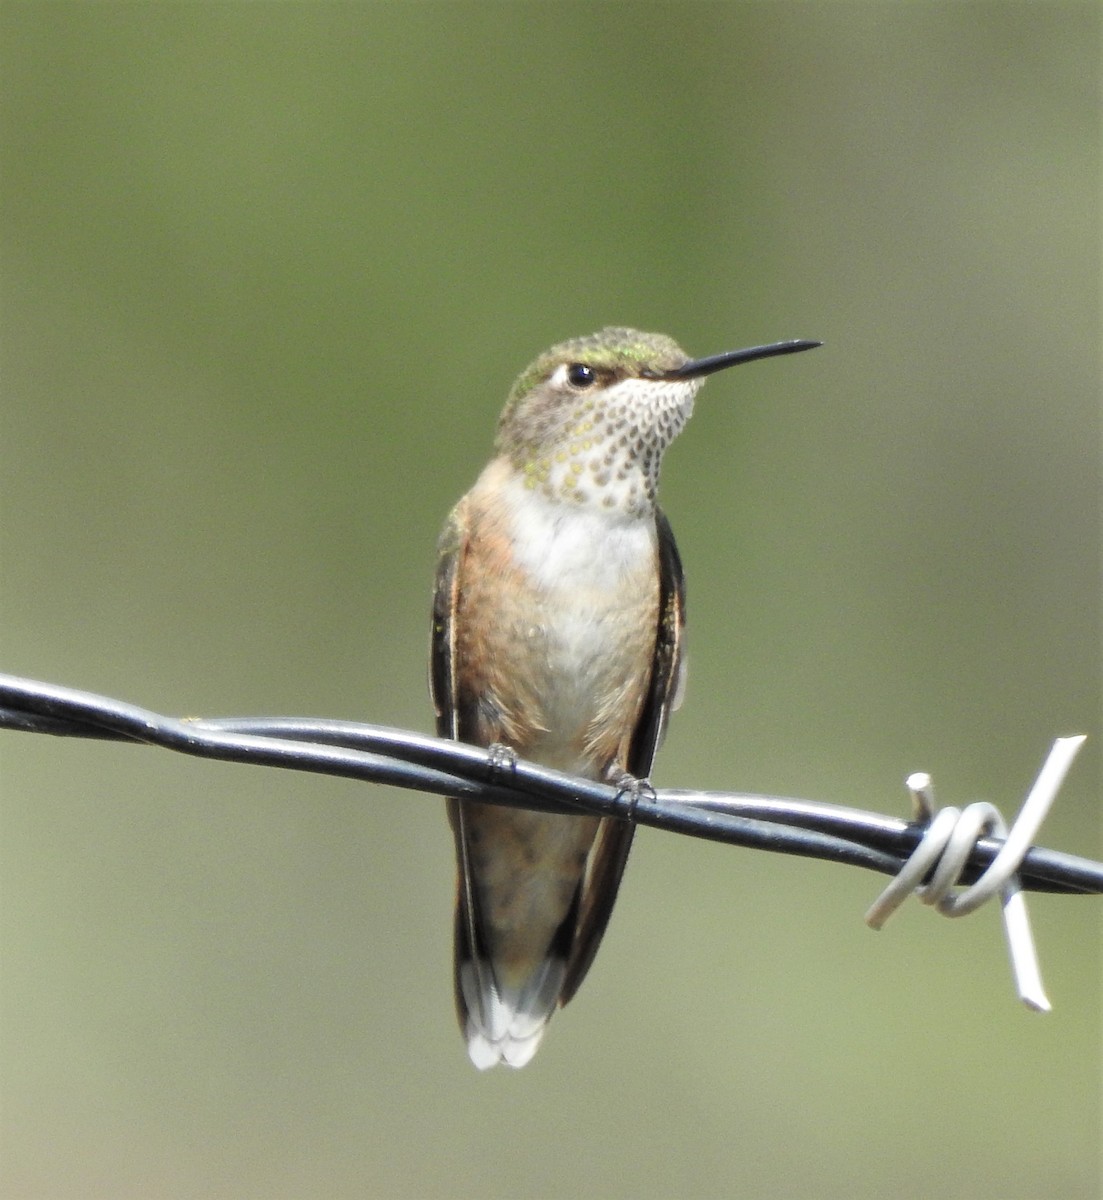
x: 731, y: 358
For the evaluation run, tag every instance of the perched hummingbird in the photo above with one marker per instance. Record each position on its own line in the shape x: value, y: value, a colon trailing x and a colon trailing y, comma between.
x: 557, y: 633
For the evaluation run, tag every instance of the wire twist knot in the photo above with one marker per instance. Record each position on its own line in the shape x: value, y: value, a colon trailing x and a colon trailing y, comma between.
x: 943, y: 854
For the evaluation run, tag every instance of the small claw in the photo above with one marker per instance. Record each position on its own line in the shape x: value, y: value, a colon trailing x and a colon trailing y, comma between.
x: 632, y: 788
x: 502, y: 760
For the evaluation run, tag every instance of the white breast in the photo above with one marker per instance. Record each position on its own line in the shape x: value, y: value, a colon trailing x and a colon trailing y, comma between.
x: 563, y: 545
x: 598, y: 576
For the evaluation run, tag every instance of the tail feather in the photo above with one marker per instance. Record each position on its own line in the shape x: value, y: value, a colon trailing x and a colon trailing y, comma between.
x: 504, y: 1024
x: 507, y: 988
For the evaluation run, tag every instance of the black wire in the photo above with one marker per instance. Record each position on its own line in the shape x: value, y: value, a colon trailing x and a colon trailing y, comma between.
x: 409, y: 760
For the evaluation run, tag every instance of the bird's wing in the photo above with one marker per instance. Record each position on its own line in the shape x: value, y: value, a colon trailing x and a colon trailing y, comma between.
x: 610, y: 850
x: 442, y: 667
x: 443, y: 688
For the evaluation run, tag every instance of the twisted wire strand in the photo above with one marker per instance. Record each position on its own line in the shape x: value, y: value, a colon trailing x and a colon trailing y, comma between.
x: 401, y: 758
x: 941, y: 857
x: 931, y: 855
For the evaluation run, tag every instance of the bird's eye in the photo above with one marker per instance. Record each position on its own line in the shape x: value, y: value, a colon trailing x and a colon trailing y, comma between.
x: 579, y: 375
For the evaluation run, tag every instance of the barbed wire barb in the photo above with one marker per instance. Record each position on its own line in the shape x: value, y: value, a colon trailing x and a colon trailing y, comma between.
x: 944, y: 850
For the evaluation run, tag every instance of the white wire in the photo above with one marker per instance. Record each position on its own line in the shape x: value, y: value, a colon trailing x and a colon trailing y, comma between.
x: 951, y: 835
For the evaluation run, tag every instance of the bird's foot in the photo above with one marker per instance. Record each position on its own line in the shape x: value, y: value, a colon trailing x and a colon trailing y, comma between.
x: 501, y: 761
x: 633, y: 790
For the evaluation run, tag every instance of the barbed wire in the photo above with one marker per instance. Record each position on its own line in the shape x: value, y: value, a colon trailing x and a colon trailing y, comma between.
x: 380, y: 754
x: 929, y: 855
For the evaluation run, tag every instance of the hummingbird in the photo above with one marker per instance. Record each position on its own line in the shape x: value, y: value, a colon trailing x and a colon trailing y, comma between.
x: 558, y: 633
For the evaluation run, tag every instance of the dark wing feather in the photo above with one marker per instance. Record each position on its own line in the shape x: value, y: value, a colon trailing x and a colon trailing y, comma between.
x: 665, y: 693
x: 610, y: 851
x: 442, y: 687
x: 442, y: 668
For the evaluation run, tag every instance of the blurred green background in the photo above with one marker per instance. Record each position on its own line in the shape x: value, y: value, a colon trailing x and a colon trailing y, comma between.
x: 268, y: 272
